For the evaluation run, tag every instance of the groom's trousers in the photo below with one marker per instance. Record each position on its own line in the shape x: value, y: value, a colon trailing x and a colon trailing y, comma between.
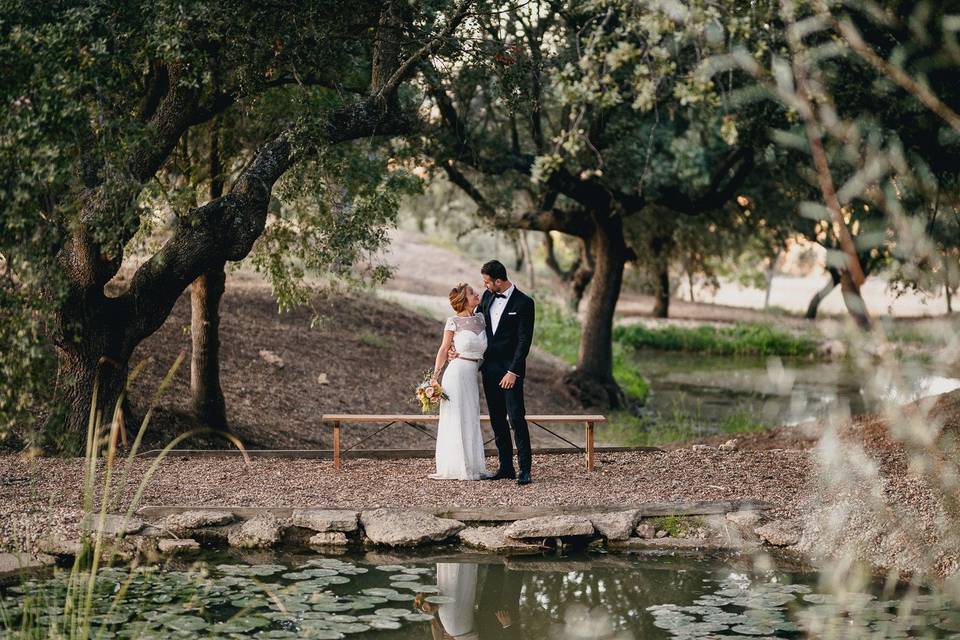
x: 504, y: 405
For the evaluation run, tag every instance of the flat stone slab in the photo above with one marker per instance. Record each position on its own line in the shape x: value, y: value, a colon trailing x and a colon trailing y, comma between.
x: 495, y: 539
x: 322, y: 520
x: 60, y: 547
x: 407, y: 527
x: 257, y: 532
x: 329, y: 539
x: 197, y: 519
x: 779, y: 533
x: 550, y: 527
x: 14, y: 563
x: 169, y: 545
x: 615, y: 525
x: 112, y: 524
x: 744, y: 518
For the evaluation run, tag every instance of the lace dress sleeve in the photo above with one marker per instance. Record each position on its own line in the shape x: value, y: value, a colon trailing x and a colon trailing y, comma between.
x: 451, y: 325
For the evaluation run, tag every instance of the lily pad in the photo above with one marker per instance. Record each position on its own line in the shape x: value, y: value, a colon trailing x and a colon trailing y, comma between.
x: 384, y: 623
x: 350, y: 627
x: 186, y: 623
x: 754, y: 630
x: 416, y: 616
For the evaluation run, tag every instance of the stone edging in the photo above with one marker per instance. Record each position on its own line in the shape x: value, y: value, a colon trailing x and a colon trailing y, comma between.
x: 694, y: 526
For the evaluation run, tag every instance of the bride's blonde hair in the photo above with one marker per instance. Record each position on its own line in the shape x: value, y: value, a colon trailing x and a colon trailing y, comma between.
x: 458, y: 297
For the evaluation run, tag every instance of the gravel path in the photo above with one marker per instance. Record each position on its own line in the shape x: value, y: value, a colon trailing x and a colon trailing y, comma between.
x: 50, y: 499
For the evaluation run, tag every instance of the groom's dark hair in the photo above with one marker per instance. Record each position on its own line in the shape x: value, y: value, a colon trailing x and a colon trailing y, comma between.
x: 495, y: 270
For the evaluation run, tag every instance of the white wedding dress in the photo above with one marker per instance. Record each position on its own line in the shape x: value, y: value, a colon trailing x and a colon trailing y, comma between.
x: 459, y: 439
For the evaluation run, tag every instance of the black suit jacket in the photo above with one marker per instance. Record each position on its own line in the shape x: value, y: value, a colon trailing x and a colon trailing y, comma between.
x: 507, y: 349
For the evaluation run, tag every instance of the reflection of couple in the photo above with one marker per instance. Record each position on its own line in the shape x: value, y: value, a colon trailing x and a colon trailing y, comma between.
x: 499, y: 612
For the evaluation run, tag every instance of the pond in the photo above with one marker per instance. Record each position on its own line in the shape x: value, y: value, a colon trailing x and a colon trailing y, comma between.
x: 711, y: 391
x: 453, y: 595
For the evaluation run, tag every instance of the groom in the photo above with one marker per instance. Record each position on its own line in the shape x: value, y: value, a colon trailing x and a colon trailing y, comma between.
x: 509, y: 318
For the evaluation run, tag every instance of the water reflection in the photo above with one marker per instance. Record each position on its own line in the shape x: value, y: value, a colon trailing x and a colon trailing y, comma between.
x: 496, y: 615
x: 712, y: 389
x: 606, y: 597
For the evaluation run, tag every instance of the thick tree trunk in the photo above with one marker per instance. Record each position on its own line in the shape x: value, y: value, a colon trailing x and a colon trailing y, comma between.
x: 207, y: 395
x: 820, y: 295
x: 97, y: 360
x: 206, y: 292
x: 592, y: 381
x: 661, y: 253
x: 661, y: 304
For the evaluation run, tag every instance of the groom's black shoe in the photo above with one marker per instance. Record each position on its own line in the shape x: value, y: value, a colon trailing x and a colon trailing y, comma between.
x: 500, y: 475
x: 524, y: 478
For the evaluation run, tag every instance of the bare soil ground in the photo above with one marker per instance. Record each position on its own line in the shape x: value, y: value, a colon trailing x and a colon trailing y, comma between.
x: 366, y: 356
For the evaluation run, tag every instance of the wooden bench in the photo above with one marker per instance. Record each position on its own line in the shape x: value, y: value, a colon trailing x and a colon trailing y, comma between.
x: 337, y: 420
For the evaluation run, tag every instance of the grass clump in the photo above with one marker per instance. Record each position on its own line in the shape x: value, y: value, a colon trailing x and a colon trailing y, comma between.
x: 677, y: 526
x: 374, y: 340
x: 738, y: 339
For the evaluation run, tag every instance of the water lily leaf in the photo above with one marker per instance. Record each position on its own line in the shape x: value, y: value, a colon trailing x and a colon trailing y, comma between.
x: 416, y: 616
x: 297, y: 575
x: 110, y: 618
x: 333, y: 607
x: 186, y: 623
x: 428, y: 588
x: 390, y: 568
x: 440, y: 599
x: 401, y: 597
x: 415, y: 586
x: 342, y: 617
x: 384, y: 623
x: 753, y: 630
x: 378, y: 591
x: 350, y: 627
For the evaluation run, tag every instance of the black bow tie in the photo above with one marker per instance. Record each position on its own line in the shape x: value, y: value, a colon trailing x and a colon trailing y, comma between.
x: 499, y: 295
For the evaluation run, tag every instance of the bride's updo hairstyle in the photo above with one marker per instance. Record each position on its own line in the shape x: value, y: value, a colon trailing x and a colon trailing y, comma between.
x: 458, y: 297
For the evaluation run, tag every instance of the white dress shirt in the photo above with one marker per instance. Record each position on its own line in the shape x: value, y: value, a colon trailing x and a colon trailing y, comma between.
x: 496, y: 309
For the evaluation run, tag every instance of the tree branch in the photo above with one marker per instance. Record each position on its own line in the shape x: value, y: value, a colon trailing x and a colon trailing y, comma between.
x: 406, y: 68
x: 723, y: 186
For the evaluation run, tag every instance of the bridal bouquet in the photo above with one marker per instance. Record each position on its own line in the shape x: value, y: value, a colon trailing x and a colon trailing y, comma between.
x: 430, y: 394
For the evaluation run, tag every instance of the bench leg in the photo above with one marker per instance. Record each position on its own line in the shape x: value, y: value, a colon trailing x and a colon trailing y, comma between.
x: 336, y: 445
x: 589, y: 446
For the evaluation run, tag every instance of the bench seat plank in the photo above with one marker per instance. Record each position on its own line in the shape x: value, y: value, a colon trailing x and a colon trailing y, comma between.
x: 362, y: 418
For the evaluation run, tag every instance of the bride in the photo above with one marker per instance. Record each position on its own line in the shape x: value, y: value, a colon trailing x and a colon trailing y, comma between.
x: 460, y: 453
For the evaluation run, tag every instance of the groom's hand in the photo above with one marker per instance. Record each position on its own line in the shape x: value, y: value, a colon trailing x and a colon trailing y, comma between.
x: 452, y: 354
x: 508, y: 381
